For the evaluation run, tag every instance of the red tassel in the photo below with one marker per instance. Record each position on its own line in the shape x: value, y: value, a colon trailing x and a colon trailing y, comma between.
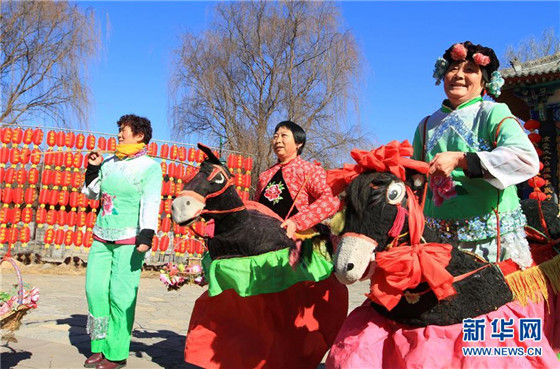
x: 399, y: 221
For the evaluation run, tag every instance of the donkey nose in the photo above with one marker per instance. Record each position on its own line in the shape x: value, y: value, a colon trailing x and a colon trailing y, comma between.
x: 349, y: 267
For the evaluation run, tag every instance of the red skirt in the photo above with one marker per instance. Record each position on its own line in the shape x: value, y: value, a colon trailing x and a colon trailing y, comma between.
x: 293, y: 328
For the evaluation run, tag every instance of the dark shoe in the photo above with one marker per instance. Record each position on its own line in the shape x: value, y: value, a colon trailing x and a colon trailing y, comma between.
x: 108, y: 364
x: 93, y: 360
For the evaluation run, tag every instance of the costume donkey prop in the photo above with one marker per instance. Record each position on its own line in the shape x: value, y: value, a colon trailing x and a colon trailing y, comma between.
x: 255, y: 299
x: 382, y: 214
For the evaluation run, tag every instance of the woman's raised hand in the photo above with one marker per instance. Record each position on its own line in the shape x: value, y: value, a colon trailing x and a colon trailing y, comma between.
x: 95, y: 157
x: 445, y: 162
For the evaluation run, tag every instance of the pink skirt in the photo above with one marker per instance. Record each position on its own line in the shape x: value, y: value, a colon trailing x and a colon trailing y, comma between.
x: 370, y: 340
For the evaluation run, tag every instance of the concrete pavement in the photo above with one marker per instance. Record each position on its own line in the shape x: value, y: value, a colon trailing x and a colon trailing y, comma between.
x: 54, y: 334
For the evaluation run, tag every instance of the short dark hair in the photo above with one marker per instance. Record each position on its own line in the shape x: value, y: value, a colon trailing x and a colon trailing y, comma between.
x: 137, y: 125
x: 472, y: 49
x: 297, y: 131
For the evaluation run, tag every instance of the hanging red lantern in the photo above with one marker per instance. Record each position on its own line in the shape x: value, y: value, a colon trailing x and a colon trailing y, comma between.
x: 165, y: 224
x: 16, y: 215
x: 5, y: 215
x: 27, y: 215
x: 163, y: 167
x: 7, y: 195
x: 173, y: 152
x: 35, y: 156
x: 190, y: 246
x: 78, y: 160
x: 9, y: 176
x: 78, y: 238
x: 248, y: 164
x: 532, y: 124
x: 152, y: 149
x: 90, y: 142
x: 179, y: 172
x: 536, y: 182
x: 6, y: 135
x: 18, y: 195
x: 58, y: 159
x: 191, y: 154
x: 51, y: 217
x: 541, y: 166
x: 81, y: 221
x: 73, y: 199
x: 90, y: 219
x: 60, y: 138
x: 30, y: 195
x: 164, y: 244
x: 200, y: 156
x: 21, y: 176
x: 15, y: 155
x: 199, y: 248
x: 27, y: 136
x: 33, y: 176
x: 17, y: 136
x: 25, y: 155
x: 63, y: 197
x: 37, y: 136
x: 48, y: 237
x: 25, y: 236
x: 47, y: 178
x: 13, y: 236
x: 176, y: 245
x: 164, y: 152
x: 171, y: 170
x: 535, y: 138
x: 44, y: 196
x: 68, y: 238
x: 53, y: 198
x: 538, y: 195
x: 155, y: 244
x: 41, y: 216
x: 102, y: 143
x: 111, y: 144
x: 182, y: 153
x: 3, y: 235
x: 59, y: 237
x: 68, y: 159
x: 71, y: 218
x: 83, y: 201
x: 80, y: 141
x: 70, y: 139
x: 66, y: 179
x: 57, y: 178
x: 88, y: 239
x: 4, y: 155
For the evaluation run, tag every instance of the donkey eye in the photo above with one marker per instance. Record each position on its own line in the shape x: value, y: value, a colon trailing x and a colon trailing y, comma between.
x: 219, y: 178
x: 395, y: 193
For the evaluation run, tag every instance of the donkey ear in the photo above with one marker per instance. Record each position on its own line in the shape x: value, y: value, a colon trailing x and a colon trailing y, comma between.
x: 205, y: 149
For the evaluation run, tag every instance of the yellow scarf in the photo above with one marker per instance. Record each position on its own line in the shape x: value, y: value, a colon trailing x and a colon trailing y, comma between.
x: 125, y: 150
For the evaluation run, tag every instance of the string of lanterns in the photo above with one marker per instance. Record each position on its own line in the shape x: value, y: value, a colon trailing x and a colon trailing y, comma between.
x: 41, y: 177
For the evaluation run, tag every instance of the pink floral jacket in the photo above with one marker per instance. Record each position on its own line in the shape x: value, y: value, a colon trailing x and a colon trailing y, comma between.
x: 315, y: 202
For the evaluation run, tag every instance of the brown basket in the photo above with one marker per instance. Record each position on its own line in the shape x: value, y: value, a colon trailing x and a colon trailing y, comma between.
x: 12, y: 319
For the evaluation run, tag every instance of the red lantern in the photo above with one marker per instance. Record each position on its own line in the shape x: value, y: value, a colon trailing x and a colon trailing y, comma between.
x: 18, y: 195
x: 60, y: 138
x: 164, y: 151
x: 70, y: 140
x: 165, y: 225
x: 200, y: 156
x: 80, y: 141
x: 174, y: 152
x: 78, y: 238
x: 4, y: 155
x: 90, y: 142
x: 73, y: 199
x: 13, y: 236
x: 190, y: 245
x: 536, y: 182
x: 81, y: 221
x: 163, y: 167
x: 171, y: 170
x: 47, y: 178
x: 17, y: 136
x: 51, y: 217
x: 59, y: 159
x: 83, y: 201
x: 53, y: 197
x: 90, y: 219
x: 25, y: 236
x: 68, y: 159
x: 68, y: 238
x: 182, y: 153
x: 15, y: 155
x: 5, y: 215
x: 111, y: 144
x: 35, y: 157
x: 532, y: 124
x: 27, y: 215
x: 37, y: 136
x: 248, y: 164
x: 192, y: 154
x: 71, y: 218
x: 76, y: 180
x: 199, y: 248
x: 6, y: 135
x: 538, y: 195
x: 7, y: 195
x: 49, y: 237
x: 164, y: 243
x: 30, y: 196
x: 28, y: 136
x: 88, y: 239
x: 21, y: 176
x: 33, y: 176
x: 41, y: 216
x: 78, y: 160
x: 155, y: 244
x: 102, y: 143
x: 535, y: 138
x: 152, y: 149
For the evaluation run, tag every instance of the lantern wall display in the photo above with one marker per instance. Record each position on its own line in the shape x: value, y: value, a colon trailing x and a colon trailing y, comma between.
x: 42, y: 172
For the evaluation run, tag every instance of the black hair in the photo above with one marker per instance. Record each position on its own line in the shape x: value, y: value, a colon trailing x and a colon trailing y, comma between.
x: 472, y: 49
x: 297, y: 131
x: 137, y: 125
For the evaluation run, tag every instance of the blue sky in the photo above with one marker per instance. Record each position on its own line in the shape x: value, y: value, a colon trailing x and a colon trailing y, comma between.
x: 400, y: 42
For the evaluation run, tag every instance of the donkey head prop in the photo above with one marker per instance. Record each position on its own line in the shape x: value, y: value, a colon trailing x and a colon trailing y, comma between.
x: 411, y: 282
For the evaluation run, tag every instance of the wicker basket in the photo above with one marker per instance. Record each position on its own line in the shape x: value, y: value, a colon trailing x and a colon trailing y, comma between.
x: 12, y: 319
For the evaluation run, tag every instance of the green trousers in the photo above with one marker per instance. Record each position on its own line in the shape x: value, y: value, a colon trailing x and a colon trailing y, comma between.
x: 112, y: 278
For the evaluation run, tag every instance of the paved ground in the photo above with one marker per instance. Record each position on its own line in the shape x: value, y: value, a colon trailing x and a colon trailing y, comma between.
x: 54, y: 335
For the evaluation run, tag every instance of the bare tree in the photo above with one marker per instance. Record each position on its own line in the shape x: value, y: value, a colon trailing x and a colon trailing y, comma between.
x: 263, y: 62
x: 534, y: 48
x: 45, y: 49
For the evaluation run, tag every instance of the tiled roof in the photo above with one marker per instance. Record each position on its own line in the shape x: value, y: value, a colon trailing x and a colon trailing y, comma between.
x: 548, y: 64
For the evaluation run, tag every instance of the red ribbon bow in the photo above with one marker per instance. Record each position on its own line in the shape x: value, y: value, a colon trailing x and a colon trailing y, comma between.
x: 404, y: 267
x: 388, y: 158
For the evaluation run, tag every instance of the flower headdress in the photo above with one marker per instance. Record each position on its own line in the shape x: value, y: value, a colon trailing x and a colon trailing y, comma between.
x: 482, y: 56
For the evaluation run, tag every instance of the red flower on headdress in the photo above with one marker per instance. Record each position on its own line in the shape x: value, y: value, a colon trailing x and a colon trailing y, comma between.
x: 481, y: 59
x: 459, y: 52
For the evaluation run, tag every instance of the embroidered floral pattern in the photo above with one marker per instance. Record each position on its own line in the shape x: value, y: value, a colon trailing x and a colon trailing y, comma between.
x: 442, y: 188
x: 273, y: 192
x: 97, y: 327
x: 477, y: 228
x: 108, y: 205
x: 454, y: 122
